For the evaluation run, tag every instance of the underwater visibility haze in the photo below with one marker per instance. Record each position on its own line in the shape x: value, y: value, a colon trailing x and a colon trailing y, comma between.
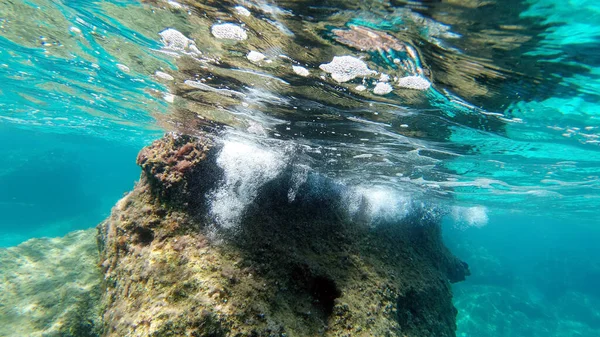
x: 298, y: 165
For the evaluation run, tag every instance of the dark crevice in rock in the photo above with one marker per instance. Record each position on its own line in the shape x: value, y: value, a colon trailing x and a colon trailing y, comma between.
x: 321, y: 288
x: 143, y: 236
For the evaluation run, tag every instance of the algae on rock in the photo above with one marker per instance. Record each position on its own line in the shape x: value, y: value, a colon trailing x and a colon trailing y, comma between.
x: 300, y: 268
x: 51, y: 287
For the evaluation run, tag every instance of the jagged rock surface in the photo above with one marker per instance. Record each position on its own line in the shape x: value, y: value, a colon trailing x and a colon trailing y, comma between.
x: 300, y: 268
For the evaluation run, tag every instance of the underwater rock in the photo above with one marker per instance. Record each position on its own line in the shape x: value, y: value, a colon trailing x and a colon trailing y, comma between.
x: 229, y: 31
x: 51, y: 287
x: 290, y: 267
x: 346, y: 68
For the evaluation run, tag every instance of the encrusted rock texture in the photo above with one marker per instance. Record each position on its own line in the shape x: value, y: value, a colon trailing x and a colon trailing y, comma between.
x: 51, y: 287
x: 300, y: 268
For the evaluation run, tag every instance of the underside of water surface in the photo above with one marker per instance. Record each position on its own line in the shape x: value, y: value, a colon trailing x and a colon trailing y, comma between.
x: 344, y: 135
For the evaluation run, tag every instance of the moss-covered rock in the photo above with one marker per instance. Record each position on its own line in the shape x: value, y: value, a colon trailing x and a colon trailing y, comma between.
x: 289, y: 268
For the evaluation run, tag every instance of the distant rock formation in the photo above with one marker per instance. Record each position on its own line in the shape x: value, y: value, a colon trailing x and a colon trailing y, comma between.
x: 289, y: 268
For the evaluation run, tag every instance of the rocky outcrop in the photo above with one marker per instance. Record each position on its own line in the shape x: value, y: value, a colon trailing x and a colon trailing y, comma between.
x: 305, y: 267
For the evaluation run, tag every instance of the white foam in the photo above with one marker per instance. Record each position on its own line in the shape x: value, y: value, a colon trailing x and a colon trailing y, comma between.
x: 169, y: 97
x: 163, y: 75
x: 300, y: 71
x: 256, y: 128
x: 246, y: 167
x: 206, y: 87
x: 470, y: 216
x: 174, y: 4
x: 254, y: 56
x: 174, y: 40
x: 228, y: 31
x: 379, y: 203
x: 123, y: 68
x: 346, y: 68
x: 382, y: 88
x: 299, y: 177
x: 241, y: 10
x: 414, y: 82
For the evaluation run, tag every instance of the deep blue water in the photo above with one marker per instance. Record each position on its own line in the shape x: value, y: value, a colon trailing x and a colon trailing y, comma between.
x: 506, y: 140
x: 532, y: 276
x: 56, y: 183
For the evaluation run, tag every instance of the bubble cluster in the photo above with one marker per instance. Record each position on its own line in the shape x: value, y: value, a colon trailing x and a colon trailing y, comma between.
x: 346, y: 68
x: 382, y: 88
x: 229, y: 31
x: 174, y: 40
x: 414, y: 82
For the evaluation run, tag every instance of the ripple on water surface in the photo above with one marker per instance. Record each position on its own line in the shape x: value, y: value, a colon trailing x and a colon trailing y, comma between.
x: 412, y: 97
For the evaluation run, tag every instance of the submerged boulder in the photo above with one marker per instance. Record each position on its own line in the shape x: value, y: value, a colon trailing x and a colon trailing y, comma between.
x: 290, y: 267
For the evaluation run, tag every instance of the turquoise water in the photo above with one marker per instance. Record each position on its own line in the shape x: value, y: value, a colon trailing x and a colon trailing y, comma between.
x: 51, y: 182
x: 506, y: 139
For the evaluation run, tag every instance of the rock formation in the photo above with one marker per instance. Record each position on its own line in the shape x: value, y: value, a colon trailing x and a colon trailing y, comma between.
x: 305, y: 267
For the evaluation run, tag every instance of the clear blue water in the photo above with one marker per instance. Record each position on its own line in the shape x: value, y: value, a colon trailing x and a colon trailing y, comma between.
x: 507, y: 139
x: 51, y: 182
